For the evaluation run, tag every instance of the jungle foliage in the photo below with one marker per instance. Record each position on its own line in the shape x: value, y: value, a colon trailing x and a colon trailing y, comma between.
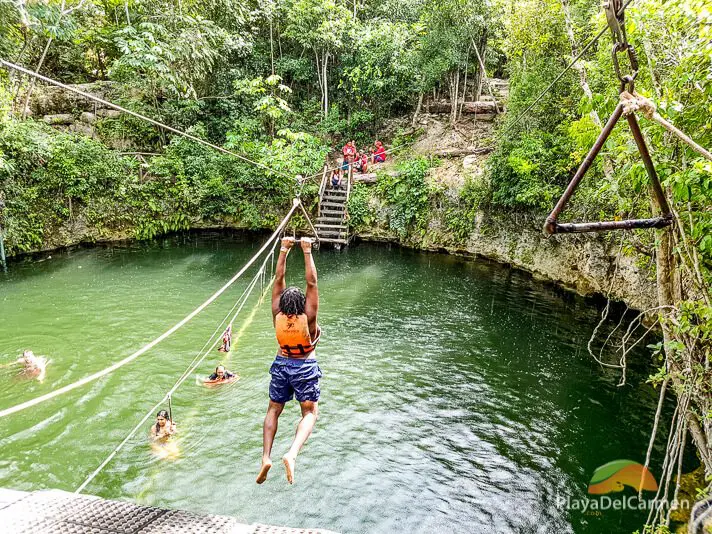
x: 282, y: 81
x: 277, y: 81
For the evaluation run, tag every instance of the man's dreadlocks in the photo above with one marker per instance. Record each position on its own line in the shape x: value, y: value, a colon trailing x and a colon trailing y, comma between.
x: 292, y: 301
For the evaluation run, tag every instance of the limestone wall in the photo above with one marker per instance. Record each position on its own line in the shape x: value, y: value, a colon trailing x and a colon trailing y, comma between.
x: 584, y: 263
x: 68, y: 111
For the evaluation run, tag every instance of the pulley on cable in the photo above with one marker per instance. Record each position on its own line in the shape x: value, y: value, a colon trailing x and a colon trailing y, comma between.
x: 616, y: 22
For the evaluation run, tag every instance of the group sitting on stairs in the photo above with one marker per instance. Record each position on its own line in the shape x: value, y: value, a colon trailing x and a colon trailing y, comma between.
x: 359, y: 161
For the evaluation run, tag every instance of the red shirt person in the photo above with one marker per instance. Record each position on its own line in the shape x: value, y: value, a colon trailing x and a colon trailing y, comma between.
x: 349, y: 150
x: 362, y: 163
x: 379, y: 155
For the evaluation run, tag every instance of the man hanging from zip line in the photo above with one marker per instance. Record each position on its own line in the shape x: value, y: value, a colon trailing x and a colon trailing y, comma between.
x: 295, y: 371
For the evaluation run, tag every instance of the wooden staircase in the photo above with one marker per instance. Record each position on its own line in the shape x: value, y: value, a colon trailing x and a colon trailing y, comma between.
x: 331, y: 224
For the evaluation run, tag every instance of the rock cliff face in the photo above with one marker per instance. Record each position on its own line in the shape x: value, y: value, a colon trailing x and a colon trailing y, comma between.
x: 68, y: 111
x: 586, y: 264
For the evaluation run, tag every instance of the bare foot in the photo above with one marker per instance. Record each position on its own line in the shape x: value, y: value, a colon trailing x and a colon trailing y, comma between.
x: 266, y: 465
x: 289, y: 466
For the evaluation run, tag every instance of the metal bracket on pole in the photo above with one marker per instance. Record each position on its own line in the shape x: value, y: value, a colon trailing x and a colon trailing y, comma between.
x: 616, y: 20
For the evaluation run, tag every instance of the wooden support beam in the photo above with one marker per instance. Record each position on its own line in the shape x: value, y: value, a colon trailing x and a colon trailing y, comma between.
x: 461, y: 152
x: 480, y: 107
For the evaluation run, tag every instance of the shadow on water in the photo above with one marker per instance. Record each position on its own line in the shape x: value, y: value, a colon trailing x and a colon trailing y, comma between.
x: 458, y: 395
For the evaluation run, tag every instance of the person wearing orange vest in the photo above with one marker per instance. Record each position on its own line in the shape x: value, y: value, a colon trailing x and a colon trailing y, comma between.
x: 295, y: 371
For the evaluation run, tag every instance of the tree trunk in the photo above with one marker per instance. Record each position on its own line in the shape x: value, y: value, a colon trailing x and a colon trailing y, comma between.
x: 464, y: 88
x: 483, y: 106
x: 279, y: 39
x: 481, y: 71
x: 649, y: 57
x: 454, y: 94
x: 461, y: 152
x: 669, y: 294
x: 483, y: 74
x: 326, y: 84
x: 318, y: 77
x: 417, y: 109
x: 271, y: 43
x: 32, y: 81
x: 16, y: 78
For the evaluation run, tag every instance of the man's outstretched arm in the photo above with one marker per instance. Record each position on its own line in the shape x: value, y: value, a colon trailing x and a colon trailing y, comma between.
x: 287, y: 243
x: 312, y: 294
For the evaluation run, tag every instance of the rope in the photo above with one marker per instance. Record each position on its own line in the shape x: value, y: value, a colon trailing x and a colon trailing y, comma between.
x: 189, y: 370
x: 219, y: 328
x: 140, y: 116
x: 145, y: 348
x: 304, y: 211
x: 635, y: 102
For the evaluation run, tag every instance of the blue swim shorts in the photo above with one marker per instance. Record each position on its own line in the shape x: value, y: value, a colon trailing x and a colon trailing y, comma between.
x: 294, y: 377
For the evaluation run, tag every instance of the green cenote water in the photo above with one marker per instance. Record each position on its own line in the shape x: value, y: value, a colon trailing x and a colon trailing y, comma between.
x: 457, y: 395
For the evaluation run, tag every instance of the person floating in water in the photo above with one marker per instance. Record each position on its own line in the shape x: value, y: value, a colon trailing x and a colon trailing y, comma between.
x: 226, y: 339
x: 33, y: 366
x: 295, y: 371
x: 164, y: 427
x: 221, y: 374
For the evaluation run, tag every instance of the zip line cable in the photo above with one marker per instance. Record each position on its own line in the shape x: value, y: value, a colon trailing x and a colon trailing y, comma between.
x: 237, y: 303
x: 140, y: 116
x: 189, y: 370
x: 145, y: 348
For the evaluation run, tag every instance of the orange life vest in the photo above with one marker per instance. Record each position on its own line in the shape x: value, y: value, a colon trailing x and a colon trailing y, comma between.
x: 293, y: 335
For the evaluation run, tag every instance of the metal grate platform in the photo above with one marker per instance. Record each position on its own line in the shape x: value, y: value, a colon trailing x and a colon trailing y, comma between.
x: 59, y: 512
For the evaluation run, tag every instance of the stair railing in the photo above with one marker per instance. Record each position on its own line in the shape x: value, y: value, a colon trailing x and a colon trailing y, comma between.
x: 346, y: 205
x: 322, y: 188
x: 348, y: 184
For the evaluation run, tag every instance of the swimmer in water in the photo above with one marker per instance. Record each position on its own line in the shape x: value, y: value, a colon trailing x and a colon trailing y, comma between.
x: 221, y: 374
x: 164, y: 427
x: 33, y: 366
x: 226, y: 340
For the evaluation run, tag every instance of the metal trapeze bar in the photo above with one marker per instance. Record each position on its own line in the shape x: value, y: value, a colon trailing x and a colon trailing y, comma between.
x: 616, y: 22
x: 551, y: 226
x: 631, y: 224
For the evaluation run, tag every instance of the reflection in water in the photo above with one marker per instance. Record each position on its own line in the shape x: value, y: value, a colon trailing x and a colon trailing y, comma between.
x: 457, y: 396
